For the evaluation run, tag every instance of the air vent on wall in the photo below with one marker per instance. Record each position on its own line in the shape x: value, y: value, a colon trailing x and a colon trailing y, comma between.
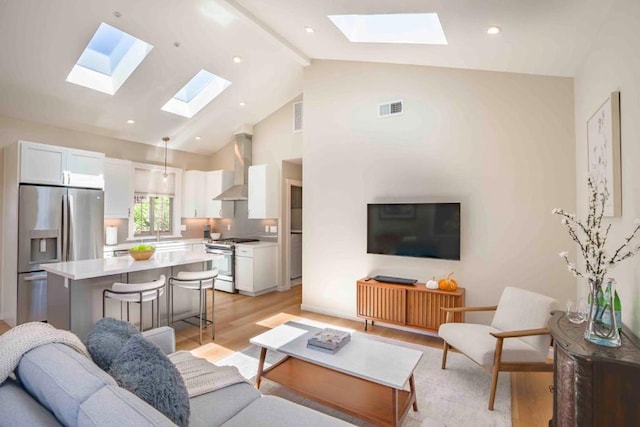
x: 390, y: 109
x: 297, y: 117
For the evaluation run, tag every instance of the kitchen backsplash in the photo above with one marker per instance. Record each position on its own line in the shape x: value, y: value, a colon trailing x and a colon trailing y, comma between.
x: 241, y: 226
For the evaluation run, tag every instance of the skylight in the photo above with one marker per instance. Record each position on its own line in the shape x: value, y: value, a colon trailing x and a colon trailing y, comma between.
x: 108, y: 60
x: 196, y: 94
x: 411, y: 28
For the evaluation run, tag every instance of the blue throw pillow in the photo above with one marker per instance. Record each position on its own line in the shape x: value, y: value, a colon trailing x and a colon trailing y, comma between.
x: 107, y: 338
x: 144, y: 370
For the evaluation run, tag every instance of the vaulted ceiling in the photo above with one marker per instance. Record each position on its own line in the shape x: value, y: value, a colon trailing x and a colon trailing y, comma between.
x: 43, y: 39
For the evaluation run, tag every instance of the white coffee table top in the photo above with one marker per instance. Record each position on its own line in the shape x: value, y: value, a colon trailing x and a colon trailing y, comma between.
x: 362, y: 357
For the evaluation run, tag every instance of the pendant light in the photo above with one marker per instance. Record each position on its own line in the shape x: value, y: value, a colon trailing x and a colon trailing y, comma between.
x: 164, y: 175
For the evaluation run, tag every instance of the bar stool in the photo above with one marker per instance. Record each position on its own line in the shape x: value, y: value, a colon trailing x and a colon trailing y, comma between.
x: 196, y: 281
x: 137, y: 293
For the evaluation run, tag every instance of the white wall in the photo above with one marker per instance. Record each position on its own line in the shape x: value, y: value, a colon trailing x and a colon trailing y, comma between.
x: 501, y: 144
x: 613, y: 64
x: 274, y: 139
x: 12, y: 130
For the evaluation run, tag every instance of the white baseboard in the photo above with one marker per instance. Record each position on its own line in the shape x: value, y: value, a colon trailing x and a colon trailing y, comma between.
x: 322, y: 310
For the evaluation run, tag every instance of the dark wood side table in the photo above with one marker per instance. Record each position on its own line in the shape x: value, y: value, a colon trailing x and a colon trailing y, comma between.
x: 593, y: 385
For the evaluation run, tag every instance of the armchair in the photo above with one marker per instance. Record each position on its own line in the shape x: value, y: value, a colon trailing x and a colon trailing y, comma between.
x: 516, y: 340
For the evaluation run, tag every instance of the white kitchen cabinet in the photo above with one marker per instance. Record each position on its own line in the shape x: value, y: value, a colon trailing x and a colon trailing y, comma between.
x: 52, y: 165
x: 118, y: 188
x: 263, y: 192
x: 256, y: 269
x: 193, y: 194
x: 215, y: 183
x: 85, y: 168
x: 244, y: 273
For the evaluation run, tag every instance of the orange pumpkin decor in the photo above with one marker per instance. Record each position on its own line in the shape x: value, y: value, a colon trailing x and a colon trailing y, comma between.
x: 448, y: 284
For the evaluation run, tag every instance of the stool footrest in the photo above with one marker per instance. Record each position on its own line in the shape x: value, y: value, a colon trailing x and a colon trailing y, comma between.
x: 186, y: 320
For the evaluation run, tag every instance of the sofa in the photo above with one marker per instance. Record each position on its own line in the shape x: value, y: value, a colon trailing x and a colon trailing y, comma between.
x: 55, y: 385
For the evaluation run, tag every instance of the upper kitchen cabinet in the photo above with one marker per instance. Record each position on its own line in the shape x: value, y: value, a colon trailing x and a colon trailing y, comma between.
x: 215, y: 183
x: 118, y: 191
x: 263, y: 192
x: 52, y: 165
x: 194, y: 194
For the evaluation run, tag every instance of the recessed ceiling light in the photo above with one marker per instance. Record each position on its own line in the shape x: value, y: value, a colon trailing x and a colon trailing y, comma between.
x: 493, y: 30
x: 309, y: 30
x: 131, y: 121
x: 237, y: 59
x: 198, y: 138
x: 242, y: 104
x: 405, y: 28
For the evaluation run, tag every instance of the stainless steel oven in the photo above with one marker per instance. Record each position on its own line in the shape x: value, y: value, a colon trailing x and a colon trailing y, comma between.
x: 226, y: 262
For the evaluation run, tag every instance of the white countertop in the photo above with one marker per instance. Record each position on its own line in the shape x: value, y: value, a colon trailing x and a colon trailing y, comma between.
x: 77, y: 270
x: 260, y: 244
x: 179, y: 243
x: 150, y: 241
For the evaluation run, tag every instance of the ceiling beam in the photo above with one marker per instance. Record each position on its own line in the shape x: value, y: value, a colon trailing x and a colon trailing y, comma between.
x: 293, y: 51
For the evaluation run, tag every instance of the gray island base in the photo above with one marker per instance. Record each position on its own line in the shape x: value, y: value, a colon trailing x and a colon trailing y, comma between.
x: 74, y: 289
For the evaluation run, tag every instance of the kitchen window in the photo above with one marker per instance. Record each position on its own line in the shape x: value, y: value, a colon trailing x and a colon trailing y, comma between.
x: 152, y: 215
x: 155, y: 202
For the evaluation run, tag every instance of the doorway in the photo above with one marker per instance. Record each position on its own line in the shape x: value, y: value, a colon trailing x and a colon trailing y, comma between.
x: 293, y: 232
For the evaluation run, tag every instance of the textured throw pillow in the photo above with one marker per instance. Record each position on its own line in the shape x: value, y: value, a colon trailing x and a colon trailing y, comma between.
x: 107, y: 338
x: 144, y: 370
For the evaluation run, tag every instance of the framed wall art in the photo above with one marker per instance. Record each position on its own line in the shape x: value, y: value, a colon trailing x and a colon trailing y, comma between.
x: 603, y: 148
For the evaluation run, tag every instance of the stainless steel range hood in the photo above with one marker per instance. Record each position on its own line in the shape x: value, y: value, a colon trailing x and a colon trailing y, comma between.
x: 242, y: 161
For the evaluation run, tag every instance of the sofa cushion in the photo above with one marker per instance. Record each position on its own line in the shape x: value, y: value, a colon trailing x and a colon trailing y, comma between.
x: 273, y: 411
x: 60, y: 379
x: 107, y: 338
x: 18, y: 408
x: 215, y: 408
x: 144, y: 370
x: 114, y: 406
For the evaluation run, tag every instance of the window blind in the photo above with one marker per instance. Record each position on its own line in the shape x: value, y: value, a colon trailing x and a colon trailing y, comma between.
x: 151, y: 182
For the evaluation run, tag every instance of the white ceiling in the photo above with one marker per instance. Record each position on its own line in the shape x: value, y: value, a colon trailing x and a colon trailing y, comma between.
x: 42, y: 40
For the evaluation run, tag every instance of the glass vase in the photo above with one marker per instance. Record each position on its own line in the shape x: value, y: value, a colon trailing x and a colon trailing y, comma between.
x: 602, y: 328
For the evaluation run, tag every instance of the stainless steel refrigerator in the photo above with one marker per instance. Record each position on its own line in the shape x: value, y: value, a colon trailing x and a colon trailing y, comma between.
x: 55, y: 224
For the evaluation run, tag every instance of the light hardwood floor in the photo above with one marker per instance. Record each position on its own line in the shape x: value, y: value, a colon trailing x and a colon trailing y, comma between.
x: 238, y: 318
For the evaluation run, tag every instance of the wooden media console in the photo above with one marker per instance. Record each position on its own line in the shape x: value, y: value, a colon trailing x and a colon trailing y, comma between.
x: 412, y: 306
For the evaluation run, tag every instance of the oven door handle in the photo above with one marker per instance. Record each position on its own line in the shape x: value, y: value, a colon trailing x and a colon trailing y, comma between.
x: 219, y: 252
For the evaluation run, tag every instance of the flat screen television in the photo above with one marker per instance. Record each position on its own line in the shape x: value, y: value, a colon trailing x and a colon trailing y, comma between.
x: 423, y: 230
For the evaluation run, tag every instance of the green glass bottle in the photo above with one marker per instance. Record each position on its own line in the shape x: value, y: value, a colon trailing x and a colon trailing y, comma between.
x: 617, y: 308
x: 617, y: 305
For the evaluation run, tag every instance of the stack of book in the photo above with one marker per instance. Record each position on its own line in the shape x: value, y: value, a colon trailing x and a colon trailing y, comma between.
x: 329, y: 340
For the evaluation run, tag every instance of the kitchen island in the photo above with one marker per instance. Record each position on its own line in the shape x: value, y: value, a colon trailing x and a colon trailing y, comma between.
x: 74, y: 289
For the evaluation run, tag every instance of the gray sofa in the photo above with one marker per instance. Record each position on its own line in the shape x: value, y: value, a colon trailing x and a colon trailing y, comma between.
x: 58, y: 386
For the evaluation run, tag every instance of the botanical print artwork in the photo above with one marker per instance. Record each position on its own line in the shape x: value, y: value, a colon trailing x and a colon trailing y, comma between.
x: 603, y: 153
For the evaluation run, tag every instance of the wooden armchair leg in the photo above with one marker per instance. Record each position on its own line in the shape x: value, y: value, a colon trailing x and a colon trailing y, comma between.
x: 445, y: 349
x: 496, y: 370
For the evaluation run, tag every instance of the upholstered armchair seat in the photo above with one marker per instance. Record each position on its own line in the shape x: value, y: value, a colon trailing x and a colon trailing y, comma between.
x: 477, y: 343
x: 516, y: 340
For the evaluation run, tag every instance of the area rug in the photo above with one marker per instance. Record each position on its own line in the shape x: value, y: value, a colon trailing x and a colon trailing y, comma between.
x: 456, y: 396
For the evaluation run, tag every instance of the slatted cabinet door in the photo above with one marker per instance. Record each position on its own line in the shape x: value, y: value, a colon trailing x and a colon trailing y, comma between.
x: 385, y: 303
x: 413, y: 306
x: 423, y: 308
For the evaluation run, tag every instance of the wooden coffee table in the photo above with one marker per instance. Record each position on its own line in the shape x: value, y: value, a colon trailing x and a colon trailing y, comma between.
x: 365, y: 378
